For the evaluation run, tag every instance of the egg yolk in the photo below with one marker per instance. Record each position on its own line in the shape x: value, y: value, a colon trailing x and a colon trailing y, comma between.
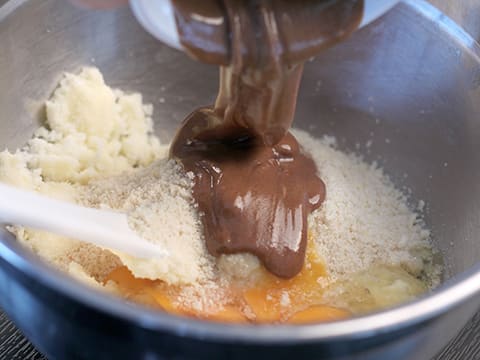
x: 269, y: 300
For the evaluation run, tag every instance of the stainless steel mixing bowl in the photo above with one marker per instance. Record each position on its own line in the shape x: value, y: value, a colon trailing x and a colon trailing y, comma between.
x: 409, y: 83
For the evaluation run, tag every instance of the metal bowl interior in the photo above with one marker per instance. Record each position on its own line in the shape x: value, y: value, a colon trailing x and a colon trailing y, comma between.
x: 408, y: 83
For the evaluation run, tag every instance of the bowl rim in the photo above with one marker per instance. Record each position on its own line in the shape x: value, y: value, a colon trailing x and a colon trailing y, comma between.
x: 448, y: 295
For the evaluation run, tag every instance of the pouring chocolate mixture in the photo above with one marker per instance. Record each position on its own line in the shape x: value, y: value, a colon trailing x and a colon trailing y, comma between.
x: 253, y: 185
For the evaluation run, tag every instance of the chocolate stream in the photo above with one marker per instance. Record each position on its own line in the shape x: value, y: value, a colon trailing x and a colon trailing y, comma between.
x: 253, y: 185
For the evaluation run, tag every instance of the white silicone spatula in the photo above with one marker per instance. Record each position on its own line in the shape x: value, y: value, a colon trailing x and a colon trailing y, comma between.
x: 107, y: 229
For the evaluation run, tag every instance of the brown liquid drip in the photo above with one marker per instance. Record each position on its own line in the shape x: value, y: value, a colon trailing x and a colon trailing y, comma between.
x: 254, y: 187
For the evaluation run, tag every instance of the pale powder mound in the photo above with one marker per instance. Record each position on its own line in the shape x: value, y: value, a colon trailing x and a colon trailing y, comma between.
x: 161, y: 209
x: 364, y: 220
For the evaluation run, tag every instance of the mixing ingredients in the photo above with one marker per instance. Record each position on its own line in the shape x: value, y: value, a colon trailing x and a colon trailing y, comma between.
x: 366, y: 250
x: 254, y: 234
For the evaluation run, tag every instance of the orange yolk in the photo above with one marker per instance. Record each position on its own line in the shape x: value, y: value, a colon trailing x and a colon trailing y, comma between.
x: 269, y: 300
